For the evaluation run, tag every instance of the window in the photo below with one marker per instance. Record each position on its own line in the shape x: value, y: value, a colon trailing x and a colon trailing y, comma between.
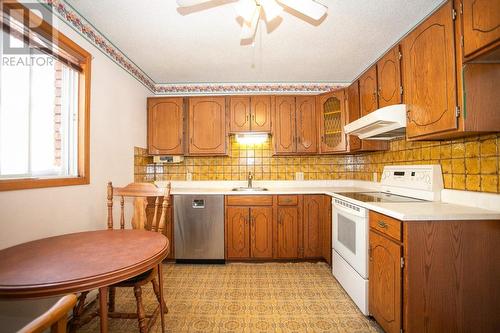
x: 44, y: 104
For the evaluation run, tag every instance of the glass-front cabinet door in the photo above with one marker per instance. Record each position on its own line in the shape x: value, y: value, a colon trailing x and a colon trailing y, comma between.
x: 332, y: 121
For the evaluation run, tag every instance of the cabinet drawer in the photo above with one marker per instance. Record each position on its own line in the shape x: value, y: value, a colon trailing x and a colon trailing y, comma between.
x: 386, y: 225
x: 288, y: 200
x: 249, y: 200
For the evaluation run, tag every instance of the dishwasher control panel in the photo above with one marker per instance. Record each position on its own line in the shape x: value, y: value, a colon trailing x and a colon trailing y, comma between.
x: 198, y: 203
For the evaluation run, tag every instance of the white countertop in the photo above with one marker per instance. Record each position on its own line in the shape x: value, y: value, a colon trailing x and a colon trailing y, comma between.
x: 414, y: 211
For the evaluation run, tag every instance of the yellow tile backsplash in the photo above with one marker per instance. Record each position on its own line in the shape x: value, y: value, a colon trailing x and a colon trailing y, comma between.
x: 468, y: 163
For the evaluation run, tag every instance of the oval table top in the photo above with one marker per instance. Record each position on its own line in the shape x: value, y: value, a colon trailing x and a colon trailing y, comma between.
x: 78, y: 262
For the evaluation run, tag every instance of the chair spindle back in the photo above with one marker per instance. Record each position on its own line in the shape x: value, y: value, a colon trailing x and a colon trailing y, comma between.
x: 140, y: 192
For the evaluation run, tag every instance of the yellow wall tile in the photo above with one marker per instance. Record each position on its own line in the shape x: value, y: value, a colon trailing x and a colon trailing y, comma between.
x: 470, y: 163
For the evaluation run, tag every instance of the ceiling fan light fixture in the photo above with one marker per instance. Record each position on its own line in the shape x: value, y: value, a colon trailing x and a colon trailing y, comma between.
x: 246, y: 9
x: 271, y: 9
x: 189, y: 3
x: 307, y: 7
x: 248, y: 31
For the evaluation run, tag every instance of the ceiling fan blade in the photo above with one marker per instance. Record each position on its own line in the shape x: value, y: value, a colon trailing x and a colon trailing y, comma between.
x: 189, y: 3
x: 271, y: 9
x: 246, y: 9
x: 307, y: 7
x: 248, y: 31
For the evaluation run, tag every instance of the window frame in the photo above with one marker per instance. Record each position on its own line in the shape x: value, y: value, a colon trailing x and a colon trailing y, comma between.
x: 47, y: 31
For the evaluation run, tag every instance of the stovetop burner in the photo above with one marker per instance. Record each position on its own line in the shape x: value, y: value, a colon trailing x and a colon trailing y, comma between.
x: 378, y: 197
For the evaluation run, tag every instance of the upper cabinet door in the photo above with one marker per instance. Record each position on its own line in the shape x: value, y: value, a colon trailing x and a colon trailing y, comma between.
x: 165, y: 126
x: 207, y: 126
x: 368, y: 91
x: 261, y: 114
x: 306, y: 124
x: 284, y: 129
x: 429, y: 75
x: 240, y: 114
x: 332, y: 121
x: 481, y: 20
x: 389, y: 78
x: 353, y: 113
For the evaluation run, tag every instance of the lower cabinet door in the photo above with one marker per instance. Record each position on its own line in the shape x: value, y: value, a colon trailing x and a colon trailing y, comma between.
x: 313, y: 218
x: 261, y: 232
x: 238, y: 232
x: 385, y: 282
x: 287, y: 240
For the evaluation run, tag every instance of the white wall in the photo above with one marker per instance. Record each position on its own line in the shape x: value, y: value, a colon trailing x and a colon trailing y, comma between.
x: 118, y: 123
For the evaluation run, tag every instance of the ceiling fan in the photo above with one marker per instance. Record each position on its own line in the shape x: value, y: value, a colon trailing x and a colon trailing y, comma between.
x: 250, y: 11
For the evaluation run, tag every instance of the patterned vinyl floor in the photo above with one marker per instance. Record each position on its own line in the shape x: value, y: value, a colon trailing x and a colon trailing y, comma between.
x: 271, y: 297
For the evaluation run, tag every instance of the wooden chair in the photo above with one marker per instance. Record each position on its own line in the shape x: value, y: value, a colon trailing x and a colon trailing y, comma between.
x: 140, y: 192
x: 55, y: 318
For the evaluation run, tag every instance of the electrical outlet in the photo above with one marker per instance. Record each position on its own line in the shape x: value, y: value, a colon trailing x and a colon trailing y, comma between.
x: 299, y: 176
x: 189, y: 176
x: 375, y: 177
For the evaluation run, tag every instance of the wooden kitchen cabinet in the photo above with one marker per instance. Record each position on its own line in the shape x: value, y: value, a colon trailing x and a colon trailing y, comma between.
x: 288, y: 238
x: 239, y: 113
x: 326, y: 229
x: 294, y: 125
x: 284, y: 125
x: 237, y: 232
x: 481, y: 27
x: 307, y: 134
x: 313, y: 213
x: 390, y: 90
x: 261, y: 232
x: 434, y: 276
x: 385, y: 282
x: 165, y: 125
x: 207, y: 126
x: 448, y: 99
x: 317, y: 229
x: 260, y: 113
x: 332, y: 118
x: 355, y: 144
x: 287, y: 232
x: 430, y: 91
x: 249, y: 227
x: 250, y: 114
x: 368, y: 91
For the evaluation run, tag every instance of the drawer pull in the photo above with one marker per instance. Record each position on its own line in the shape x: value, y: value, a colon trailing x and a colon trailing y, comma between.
x: 382, y: 224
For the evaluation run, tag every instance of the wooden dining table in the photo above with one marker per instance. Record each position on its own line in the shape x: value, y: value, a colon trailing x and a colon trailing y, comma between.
x: 80, y: 262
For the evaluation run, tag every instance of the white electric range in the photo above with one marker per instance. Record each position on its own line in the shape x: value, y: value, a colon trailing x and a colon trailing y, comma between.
x: 407, y: 183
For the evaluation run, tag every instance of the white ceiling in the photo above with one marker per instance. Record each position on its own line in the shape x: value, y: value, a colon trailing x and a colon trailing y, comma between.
x: 203, y: 46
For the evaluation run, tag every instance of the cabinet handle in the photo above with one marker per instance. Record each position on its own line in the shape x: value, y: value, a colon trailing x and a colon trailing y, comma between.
x: 322, y: 138
x: 408, y: 114
x: 370, y: 253
x: 247, y: 117
x: 382, y: 224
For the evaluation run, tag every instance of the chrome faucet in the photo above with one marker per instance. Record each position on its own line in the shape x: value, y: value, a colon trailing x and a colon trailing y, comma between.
x: 250, y: 178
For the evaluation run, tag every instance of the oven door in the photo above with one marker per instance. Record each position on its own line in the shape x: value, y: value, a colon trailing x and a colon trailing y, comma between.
x: 350, y: 236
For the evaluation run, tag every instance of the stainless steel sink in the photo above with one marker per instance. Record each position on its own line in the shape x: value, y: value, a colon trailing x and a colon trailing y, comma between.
x: 249, y: 189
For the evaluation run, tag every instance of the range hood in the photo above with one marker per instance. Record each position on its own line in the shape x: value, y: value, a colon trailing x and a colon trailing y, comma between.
x: 386, y: 123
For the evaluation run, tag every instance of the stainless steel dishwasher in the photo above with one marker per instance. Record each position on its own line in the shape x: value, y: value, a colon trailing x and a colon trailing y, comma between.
x: 199, y: 228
